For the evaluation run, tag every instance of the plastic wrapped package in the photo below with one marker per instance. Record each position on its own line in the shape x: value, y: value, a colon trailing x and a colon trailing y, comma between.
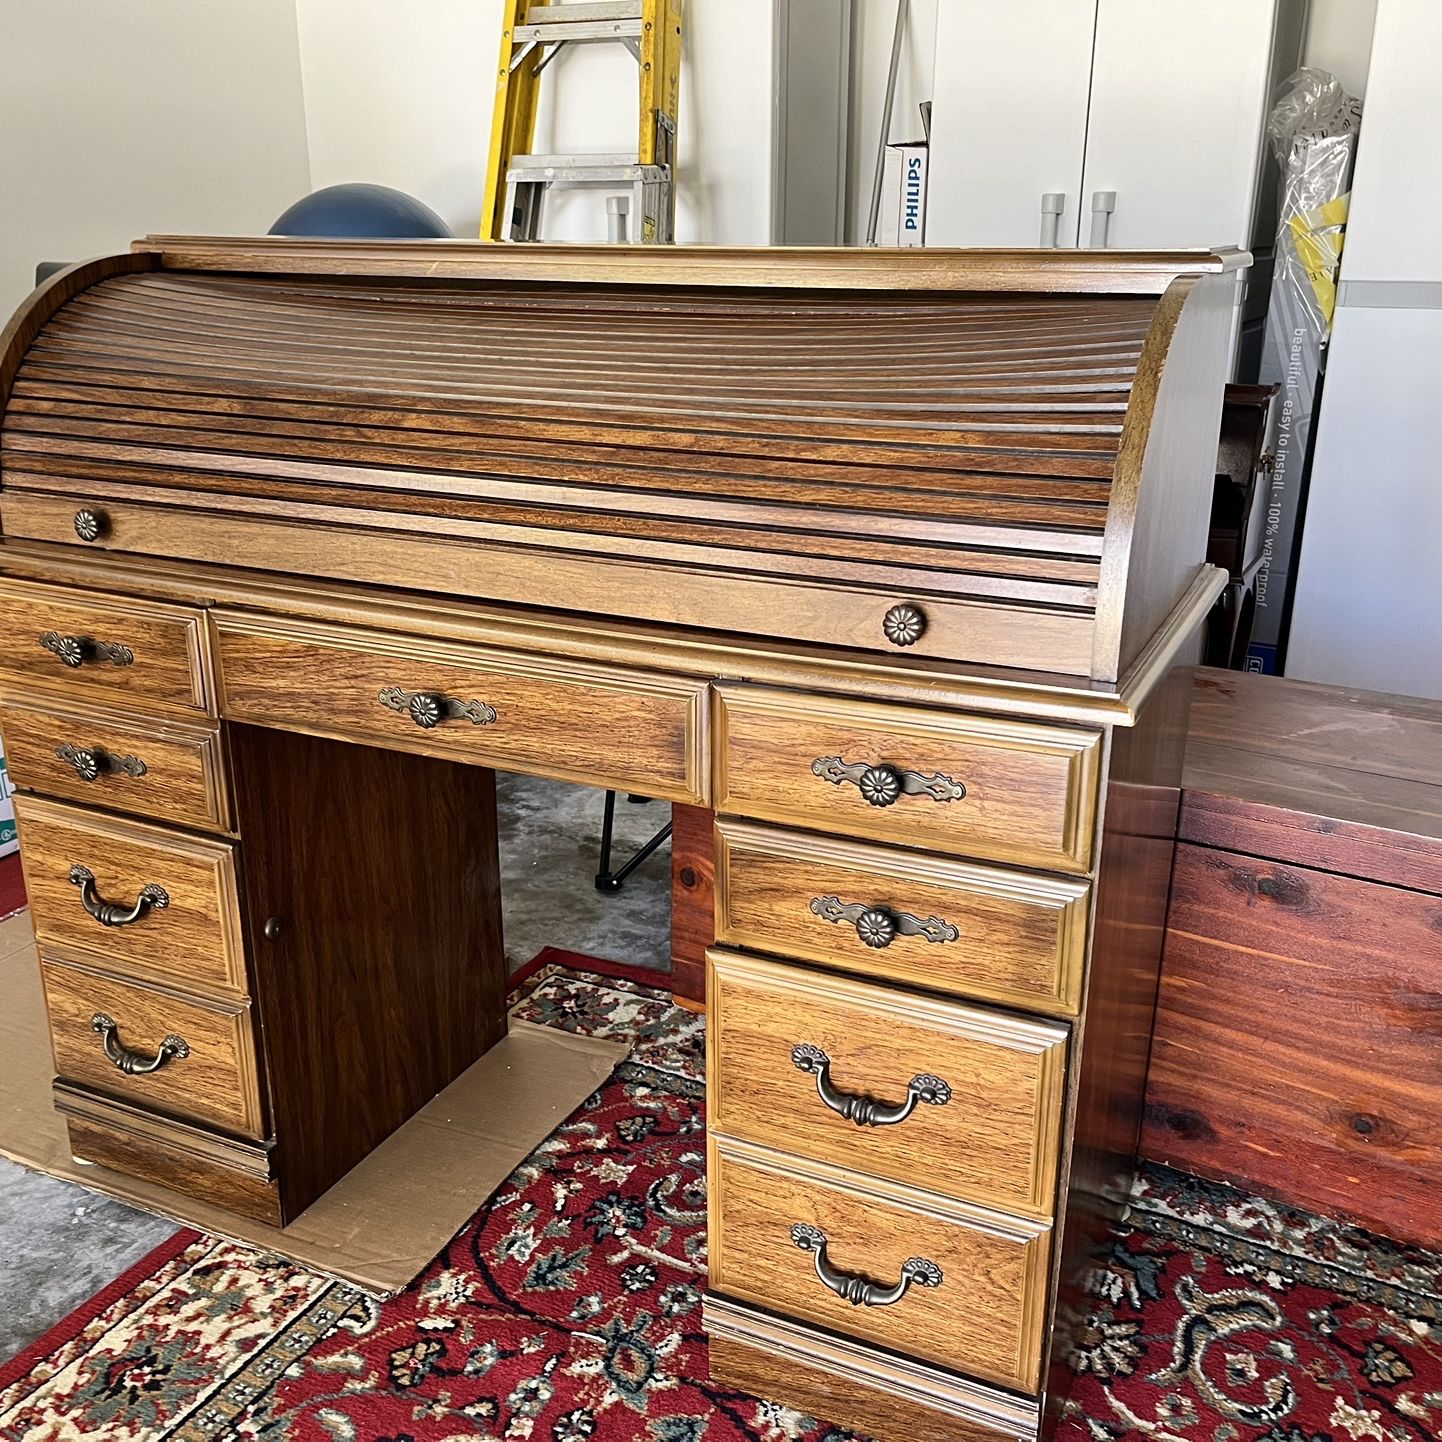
x: 1313, y: 132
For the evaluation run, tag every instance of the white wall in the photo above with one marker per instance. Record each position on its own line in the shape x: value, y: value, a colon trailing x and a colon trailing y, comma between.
x: 403, y: 94
x: 1339, y: 38
x: 117, y: 119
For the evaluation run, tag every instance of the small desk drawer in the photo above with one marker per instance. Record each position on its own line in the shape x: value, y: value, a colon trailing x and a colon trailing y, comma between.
x: 87, y: 644
x: 188, y: 929
x: 978, y: 1289
x: 599, y: 725
x: 102, y: 1029
x: 1005, y: 936
x: 937, y: 1096
x: 967, y: 785
x: 167, y: 769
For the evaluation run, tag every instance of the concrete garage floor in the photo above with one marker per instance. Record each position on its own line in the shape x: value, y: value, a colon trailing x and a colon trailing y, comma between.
x: 60, y: 1245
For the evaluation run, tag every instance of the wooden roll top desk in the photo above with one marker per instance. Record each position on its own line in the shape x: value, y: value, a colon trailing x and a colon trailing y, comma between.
x: 890, y: 560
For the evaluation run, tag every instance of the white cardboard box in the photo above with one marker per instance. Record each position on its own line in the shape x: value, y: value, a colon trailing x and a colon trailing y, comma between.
x: 903, y: 195
x: 9, y: 841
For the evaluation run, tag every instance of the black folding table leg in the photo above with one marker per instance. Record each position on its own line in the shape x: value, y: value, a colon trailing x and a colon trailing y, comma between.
x: 609, y: 881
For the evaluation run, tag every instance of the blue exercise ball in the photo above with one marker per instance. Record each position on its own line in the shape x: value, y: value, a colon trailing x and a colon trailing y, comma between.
x: 362, y: 212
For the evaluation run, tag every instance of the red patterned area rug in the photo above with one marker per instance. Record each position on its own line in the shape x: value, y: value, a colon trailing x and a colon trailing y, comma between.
x: 12, y: 886
x: 569, y: 1308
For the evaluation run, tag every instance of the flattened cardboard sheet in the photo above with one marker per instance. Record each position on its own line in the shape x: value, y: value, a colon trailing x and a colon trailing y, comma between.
x: 380, y: 1224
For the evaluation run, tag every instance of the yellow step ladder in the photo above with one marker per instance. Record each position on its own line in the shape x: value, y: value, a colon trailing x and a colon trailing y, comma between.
x: 533, y: 34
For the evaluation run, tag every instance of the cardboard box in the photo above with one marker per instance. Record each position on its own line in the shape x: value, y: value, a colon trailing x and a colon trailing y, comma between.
x: 380, y: 1225
x: 904, y: 179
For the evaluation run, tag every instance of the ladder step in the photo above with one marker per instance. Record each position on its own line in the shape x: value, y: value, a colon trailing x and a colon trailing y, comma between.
x: 582, y: 169
x: 583, y: 10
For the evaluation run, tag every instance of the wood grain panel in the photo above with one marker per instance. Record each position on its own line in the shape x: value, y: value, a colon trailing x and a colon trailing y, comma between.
x: 994, y: 1139
x: 167, y: 665
x: 1297, y: 1040
x: 195, y: 940
x: 596, y: 725
x: 189, y: 1160
x: 986, y: 1317
x: 893, y: 1399
x: 1030, y: 790
x: 183, y: 780
x: 693, y: 900
x: 1021, y: 941
x: 216, y: 1083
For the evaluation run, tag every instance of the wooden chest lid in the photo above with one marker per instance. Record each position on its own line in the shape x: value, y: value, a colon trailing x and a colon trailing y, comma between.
x: 1008, y: 454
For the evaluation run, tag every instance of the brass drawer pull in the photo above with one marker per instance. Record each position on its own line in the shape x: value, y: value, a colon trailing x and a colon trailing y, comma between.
x: 92, y: 762
x: 857, y: 1290
x: 877, y: 926
x: 430, y: 708
x: 863, y: 1110
x: 110, y: 913
x: 91, y: 525
x: 77, y: 650
x: 881, y: 785
x: 135, y: 1063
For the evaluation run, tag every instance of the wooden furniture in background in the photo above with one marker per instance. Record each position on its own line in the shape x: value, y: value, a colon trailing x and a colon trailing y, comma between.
x: 1297, y: 1041
x: 889, y: 600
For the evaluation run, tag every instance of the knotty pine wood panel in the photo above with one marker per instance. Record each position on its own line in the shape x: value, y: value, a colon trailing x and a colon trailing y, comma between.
x: 167, y: 664
x: 1021, y: 942
x: 217, y: 1082
x: 600, y: 726
x: 1296, y: 1040
x: 195, y: 940
x: 984, y: 1320
x: 1030, y: 790
x: 183, y: 780
x: 993, y: 1141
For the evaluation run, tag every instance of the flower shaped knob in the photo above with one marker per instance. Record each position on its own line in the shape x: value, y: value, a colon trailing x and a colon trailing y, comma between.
x: 89, y: 525
x: 876, y: 928
x: 425, y: 709
x: 903, y: 625
x: 880, y: 785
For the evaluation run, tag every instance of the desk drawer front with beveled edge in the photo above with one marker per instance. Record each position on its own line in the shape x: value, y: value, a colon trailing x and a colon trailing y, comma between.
x: 966, y: 785
x: 598, y: 725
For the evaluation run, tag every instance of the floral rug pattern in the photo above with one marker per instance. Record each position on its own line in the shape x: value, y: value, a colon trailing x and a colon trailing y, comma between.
x: 569, y: 1308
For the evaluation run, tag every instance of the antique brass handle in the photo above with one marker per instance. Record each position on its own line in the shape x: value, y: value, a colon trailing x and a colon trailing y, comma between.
x: 92, y: 762
x: 90, y: 525
x: 430, y: 708
x: 877, y: 926
x: 77, y: 650
x: 882, y: 785
x: 131, y: 1062
x: 110, y: 913
x: 904, y: 625
x: 857, y: 1290
x: 863, y: 1110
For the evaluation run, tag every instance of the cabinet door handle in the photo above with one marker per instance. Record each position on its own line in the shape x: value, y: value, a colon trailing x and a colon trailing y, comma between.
x: 92, y: 762
x: 864, y: 1111
x: 883, y: 785
x: 1103, y: 203
x: 110, y: 913
x: 878, y: 927
x: 1053, y: 203
x: 126, y: 1059
x: 857, y: 1290
x: 429, y: 708
x: 77, y: 650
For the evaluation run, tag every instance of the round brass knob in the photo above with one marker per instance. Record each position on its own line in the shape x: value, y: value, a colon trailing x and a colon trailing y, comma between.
x: 880, y: 785
x: 89, y: 525
x: 426, y: 710
x: 875, y: 927
x: 904, y: 624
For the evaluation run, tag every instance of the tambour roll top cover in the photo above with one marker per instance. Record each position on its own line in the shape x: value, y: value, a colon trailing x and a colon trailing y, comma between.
x: 999, y: 458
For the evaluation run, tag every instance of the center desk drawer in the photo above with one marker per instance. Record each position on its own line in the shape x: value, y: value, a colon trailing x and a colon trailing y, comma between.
x: 975, y: 1289
x: 929, y: 1093
x: 1007, y: 936
x: 969, y: 785
x: 115, y: 647
x: 576, y: 721
x: 154, y: 1045
x: 181, y: 890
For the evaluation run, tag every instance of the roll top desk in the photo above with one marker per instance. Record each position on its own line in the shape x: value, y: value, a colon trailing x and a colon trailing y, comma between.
x: 891, y: 562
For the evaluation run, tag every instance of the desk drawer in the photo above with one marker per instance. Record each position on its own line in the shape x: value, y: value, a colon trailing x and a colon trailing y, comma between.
x: 968, y: 785
x: 981, y: 1314
x: 792, y: 1050
x: 575, y: 721
x: 1004, y: 936
x: 86, y: 644
x: 191, y: 934
x: 103, y: 1028
x: 167, y: 769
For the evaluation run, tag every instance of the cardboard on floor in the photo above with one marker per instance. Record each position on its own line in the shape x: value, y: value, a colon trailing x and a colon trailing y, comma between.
x: 383, y: 1222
